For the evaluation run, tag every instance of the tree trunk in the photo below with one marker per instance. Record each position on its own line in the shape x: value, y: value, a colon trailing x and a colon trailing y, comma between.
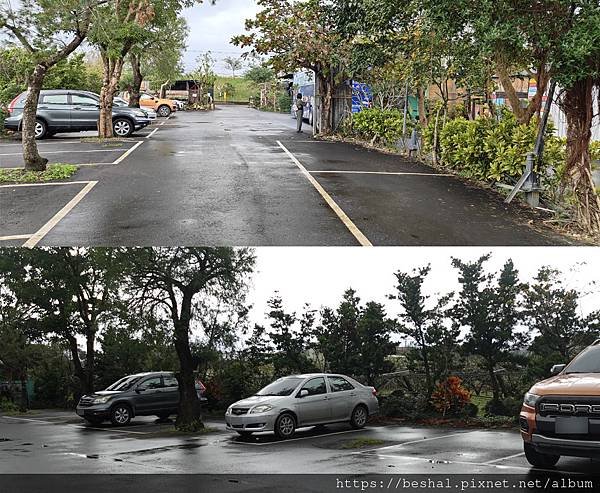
x: 163, y: 90
x: 111, y: 75
x: 90, y: 357
x: 422, y: 111
x: 134, y: 94
x: 494, y: 383
x: 31, y: 156
x: 325, y: 93
x: 578, y: 107
x: 189, y: 417
x: 79, y: 371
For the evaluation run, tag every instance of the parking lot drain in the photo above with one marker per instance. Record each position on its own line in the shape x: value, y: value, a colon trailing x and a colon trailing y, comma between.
x: 92, y: 456
x: 5, y: 440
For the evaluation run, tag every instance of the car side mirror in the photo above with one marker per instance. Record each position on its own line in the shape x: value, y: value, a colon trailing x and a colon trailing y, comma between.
x: 140, y: 389
x: 556, y: 369
x: 303, y: 393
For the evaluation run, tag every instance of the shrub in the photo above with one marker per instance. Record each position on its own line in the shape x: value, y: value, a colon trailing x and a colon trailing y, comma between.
x: 509, y: 406
x: 450, y: 397
x: 8, y: 406
x: 493, y: 150
x: 402, y: 404
x: 3, y: 116
x: 470, y: 410
x: 380, y: 125
x: 284, y: 102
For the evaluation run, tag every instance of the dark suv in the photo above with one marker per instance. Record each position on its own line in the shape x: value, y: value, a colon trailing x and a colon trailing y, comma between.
x: 143, y: 394
x: 63, y: 110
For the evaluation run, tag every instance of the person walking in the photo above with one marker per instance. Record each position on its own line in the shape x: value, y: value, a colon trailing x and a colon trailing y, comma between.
x: 299, y: 112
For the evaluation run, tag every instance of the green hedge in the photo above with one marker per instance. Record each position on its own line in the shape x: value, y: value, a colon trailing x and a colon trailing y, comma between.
x: 377, y: 125
x: 492, y: 150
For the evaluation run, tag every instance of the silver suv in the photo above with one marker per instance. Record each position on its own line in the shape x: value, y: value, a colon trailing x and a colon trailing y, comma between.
x: 303, y: 400
x: 63, y: 110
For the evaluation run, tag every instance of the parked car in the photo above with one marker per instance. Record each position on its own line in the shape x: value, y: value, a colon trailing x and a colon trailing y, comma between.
x: 164, y: 107
x: 150, y: 113
x: 142, y: 394
x: 180, y: 104
x: 297, y: 401
x: 561, y: 415
x: 63, y: 110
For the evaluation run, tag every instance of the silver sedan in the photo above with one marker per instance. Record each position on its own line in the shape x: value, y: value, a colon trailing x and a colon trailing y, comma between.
x: 303, y: 400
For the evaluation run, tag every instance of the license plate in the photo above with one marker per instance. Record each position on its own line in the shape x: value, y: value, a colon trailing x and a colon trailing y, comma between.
x: 80, y: 412
x: 571, y: 426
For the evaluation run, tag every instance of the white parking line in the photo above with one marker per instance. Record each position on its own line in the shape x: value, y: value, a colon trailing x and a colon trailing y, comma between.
x: 422, y: 440
x: 481, y: 464
x: 46, y: 228
x: 505, y: 458
x: 297, y: 439
x: 400, y: 173
x: 152, y: 133
x: 45, y: 184
x: 357, y: 233
x: 79, y: 426
x: 70, y: 152
x: 128, y: 152
x: 14, y: 237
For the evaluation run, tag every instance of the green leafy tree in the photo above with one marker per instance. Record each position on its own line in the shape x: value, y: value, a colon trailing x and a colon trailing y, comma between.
x: 302, y: 34
x: 72, y: 291
x: 487, y: 306
x: 234, y: 64
x: 49, y: 30
x: 174, y: 281
x: 423, y: 320
x: 260, y: 74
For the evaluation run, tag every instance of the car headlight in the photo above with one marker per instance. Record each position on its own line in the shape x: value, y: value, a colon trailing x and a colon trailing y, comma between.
x: 263, y: 408
x: 139, y: 113
x: 228, y: 410
x: 530, y: 399
x: 101, y: 400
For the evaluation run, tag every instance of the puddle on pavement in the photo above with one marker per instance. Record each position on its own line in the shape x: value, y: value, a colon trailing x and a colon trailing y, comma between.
x: 167, y: 448
x: 5, y: 439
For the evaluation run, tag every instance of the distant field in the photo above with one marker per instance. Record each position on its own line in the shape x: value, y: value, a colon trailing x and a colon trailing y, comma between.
x: 243, y: 89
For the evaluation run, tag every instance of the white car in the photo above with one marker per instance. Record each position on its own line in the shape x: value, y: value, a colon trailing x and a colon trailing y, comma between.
x: 150, y: 113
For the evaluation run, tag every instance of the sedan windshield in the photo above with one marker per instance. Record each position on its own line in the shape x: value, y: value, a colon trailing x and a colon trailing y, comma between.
x: 123, y: 384
x: 587, y: 362
x: 281, y: 387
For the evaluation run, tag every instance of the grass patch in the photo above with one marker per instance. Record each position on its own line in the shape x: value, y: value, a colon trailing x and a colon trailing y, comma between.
x: 362, y: 442
x: 53, y: 172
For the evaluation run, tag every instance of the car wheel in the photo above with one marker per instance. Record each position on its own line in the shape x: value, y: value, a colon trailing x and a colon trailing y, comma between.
x: 164, y: 110
x: 122, y: 127
x: 359, y: 417
x: 120, y: 415
x: 94, y: 421
x: 285, y: 426
x: 41, y: 129
x: 538, y: 459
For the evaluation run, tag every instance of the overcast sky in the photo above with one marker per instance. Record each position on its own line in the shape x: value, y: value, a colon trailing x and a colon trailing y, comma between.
x: 319, y: 276
x: 213, y: 26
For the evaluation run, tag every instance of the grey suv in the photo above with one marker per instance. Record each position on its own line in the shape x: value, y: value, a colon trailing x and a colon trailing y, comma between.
x: 62, y: 110
x: 142, y: 394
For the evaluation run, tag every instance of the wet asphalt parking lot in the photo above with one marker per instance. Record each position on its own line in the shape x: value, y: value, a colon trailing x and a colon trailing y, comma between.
x: 61, y: 442
x: 237, y: 176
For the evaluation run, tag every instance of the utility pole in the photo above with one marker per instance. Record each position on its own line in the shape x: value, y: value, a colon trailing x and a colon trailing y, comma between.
x: 530, y: 182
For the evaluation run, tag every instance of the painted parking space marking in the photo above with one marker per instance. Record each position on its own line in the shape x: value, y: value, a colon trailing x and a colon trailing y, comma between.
x: 480, y: 464
x: 46, y: 228
x: 399, y: 173
x: 46, y: 184
x: 70, y: 152
x: 14, y: 237
x: 128, y: 152
x: 152, y: 133
x: 505, y: 458
x: 45, y: 421
x: 357, y: 233
x: 279, y: 442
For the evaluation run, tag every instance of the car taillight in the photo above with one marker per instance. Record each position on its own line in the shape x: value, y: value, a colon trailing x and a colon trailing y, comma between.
x: 11, y: 106
x: 374, y: 390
